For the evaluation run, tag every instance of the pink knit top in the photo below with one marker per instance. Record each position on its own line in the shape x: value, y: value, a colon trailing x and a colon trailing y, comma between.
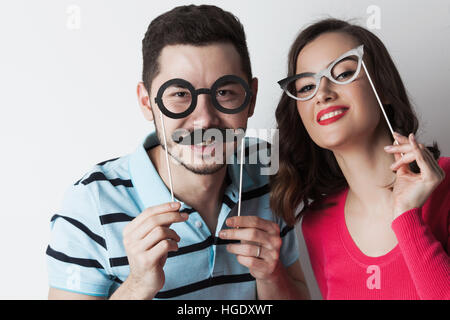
x: 417, y: 268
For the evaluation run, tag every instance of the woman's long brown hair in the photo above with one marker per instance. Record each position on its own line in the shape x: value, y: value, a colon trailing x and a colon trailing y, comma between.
x: 308, y: 173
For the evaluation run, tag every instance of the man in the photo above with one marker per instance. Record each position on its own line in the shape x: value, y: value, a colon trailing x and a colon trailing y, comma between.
x: 119, y: 236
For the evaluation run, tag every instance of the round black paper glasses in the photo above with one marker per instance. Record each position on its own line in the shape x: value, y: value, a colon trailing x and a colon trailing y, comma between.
x: 177, y: 98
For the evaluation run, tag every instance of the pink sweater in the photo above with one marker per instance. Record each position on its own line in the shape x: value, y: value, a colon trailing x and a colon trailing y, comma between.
x: 417, y: 268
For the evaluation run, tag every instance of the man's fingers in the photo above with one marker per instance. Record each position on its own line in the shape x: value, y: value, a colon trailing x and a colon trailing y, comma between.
x: 163, y: 219
x: 254, y: 222
x: 160, y: 250
x: 156, y: 235
x: 151, y: 211
x: 252, y: 250
x: 253, y: 263
x: 255, y: 235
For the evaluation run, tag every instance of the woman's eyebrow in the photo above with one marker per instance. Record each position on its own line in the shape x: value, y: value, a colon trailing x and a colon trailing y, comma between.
x: 305, y: 74
x: 309, y: 73
x: 343, y: 59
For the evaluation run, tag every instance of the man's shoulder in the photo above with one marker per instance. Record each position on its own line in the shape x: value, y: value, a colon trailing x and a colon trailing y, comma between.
x: 106, y: 181
x: 113, y: 171
x: 105, y: 186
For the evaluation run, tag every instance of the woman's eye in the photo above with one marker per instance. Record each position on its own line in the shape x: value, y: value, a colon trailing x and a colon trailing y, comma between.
x: 306, y: 88
x: 345, y: 75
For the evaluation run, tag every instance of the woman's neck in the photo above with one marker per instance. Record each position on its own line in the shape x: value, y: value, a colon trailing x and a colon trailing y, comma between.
x: 365, y: 166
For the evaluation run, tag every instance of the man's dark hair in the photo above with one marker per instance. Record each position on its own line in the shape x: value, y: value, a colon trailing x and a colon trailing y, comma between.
x: 192, y: 25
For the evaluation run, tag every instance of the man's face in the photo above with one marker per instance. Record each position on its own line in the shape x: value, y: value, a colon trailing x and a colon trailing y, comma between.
x: 201, y: 66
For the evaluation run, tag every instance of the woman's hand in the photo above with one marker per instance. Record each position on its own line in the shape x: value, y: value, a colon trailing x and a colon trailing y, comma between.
x: 411, y: 190
x: 260, y: 245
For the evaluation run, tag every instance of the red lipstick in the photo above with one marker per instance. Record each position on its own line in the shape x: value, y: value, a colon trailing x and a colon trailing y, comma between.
x: 325, y: 122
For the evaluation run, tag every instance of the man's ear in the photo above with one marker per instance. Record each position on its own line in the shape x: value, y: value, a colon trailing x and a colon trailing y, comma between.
x: 254, y: 87
x: 144, y: 101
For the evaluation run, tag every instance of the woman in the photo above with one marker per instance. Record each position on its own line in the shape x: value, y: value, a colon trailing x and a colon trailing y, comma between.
x: 375, y: 219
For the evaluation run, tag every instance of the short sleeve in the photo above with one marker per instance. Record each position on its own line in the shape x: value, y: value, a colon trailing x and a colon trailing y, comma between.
x: 289, y: 252
x: 77, y: 259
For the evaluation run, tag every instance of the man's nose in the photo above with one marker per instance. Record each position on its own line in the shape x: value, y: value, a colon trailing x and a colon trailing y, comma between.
x: 326, y: 91
x: 205, y: 112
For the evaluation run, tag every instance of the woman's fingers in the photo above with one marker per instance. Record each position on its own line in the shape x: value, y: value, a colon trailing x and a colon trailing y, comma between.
x: 400, y: 139
x: 401, y: 148
x: 413, y: 151
x: 400, y: 161
x: 434, y: 163
x: 424, y: 165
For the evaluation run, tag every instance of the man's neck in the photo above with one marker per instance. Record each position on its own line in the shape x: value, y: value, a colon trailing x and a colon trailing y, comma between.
x: 202, y: 192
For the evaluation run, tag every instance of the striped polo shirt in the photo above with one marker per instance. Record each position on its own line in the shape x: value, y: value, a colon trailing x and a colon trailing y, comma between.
x: 86, y: 253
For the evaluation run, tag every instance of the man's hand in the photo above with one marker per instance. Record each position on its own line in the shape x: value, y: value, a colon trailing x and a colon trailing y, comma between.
x: 147, y: 240
x: 260, y: 245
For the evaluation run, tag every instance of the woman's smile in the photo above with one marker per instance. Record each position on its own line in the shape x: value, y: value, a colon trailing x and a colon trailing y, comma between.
x: 331, y: 114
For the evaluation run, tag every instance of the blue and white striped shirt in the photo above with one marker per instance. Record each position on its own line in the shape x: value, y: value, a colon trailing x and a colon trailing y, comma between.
x: 86, y: 253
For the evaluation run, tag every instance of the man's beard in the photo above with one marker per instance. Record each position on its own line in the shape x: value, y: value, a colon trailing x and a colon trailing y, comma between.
x: 201, y: 169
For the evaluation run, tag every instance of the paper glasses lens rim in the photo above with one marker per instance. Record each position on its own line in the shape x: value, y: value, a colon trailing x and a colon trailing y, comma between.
x: 195, y: 92
x: 285, y: 85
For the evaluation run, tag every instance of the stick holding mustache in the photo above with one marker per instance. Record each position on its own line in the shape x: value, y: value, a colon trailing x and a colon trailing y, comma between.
x: 185, y: 137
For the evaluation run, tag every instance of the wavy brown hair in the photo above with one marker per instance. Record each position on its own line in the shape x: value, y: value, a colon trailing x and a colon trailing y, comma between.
x: 308, y: 173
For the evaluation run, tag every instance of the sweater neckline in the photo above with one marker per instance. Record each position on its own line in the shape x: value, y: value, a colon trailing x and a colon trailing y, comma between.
x: 350, y: 244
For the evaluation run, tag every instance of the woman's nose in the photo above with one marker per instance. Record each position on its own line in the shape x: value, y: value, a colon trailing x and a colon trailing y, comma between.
x: 326, y: 92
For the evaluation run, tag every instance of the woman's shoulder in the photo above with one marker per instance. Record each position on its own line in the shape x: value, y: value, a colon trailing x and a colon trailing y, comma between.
x: 444, y: 186
x: 324, y: 212
x: 444, y: 163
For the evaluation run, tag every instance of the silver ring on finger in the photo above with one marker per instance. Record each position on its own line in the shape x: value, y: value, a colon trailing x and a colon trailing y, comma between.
x: 259, y: 252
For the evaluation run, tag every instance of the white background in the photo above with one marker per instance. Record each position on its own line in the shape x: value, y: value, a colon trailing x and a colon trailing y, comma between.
x: 68, y: 97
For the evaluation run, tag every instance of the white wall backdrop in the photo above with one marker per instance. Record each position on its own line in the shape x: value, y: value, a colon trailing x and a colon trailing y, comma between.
x: 68, y: 75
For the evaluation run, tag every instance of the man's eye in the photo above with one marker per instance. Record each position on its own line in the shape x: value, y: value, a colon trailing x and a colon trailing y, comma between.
x: 222, y: 93
x: 181, y: 94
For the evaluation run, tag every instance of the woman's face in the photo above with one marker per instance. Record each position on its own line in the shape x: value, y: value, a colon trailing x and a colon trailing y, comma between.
x: 354, y: 113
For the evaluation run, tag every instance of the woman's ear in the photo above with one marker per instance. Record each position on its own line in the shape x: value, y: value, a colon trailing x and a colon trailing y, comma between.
x: 254, y: 87
x: 144, y: 101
